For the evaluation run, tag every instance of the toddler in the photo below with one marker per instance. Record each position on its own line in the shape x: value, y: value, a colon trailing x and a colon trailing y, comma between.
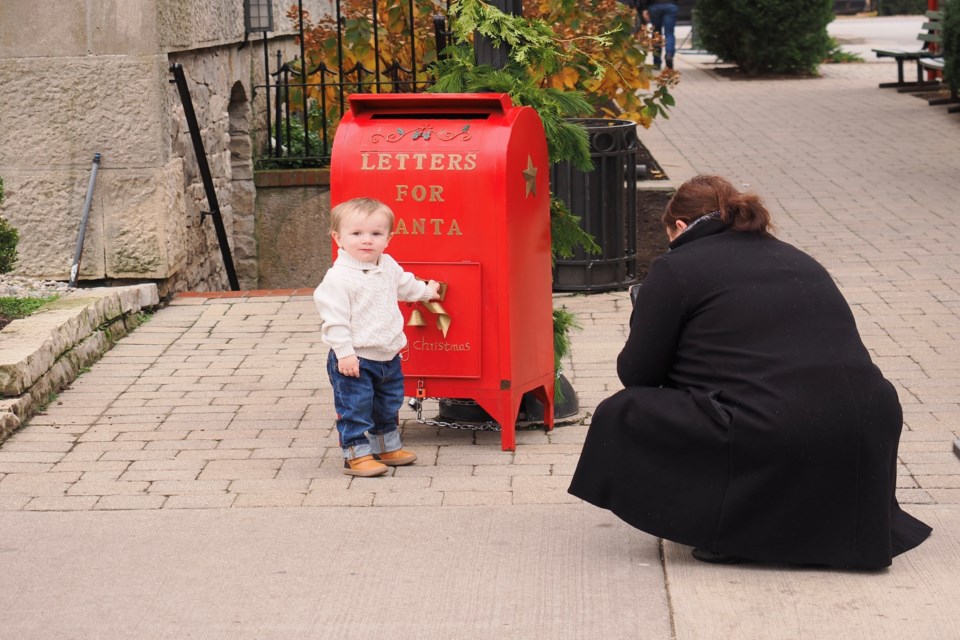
x: 363, y: 326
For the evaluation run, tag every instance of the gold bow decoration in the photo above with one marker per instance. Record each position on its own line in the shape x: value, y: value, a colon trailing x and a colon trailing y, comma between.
x: 434, y: 307
x: 443, y: 318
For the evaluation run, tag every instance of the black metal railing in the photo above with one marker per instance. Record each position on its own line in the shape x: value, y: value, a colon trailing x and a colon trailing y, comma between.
x: 206, y: 176
x: 304, y: 103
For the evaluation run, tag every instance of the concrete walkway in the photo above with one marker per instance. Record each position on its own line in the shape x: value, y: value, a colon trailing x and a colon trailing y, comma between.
x: 189, y: 484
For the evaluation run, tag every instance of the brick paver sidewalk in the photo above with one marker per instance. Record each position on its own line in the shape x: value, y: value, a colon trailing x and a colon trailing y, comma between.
x: 223, y: 402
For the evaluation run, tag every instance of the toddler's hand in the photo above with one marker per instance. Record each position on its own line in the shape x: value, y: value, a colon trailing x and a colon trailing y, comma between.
x: 349, y: 366
x: 434, y: 288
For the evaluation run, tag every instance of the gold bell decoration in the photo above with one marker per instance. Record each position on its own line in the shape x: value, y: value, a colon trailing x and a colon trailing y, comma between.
x: 416, y: 318
x: 434, y: 307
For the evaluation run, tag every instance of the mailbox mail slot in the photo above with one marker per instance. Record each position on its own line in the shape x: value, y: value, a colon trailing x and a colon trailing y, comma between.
x: 467, y: 178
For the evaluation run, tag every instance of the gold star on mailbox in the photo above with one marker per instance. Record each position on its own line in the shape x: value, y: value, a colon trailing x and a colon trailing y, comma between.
x: 530, y: 176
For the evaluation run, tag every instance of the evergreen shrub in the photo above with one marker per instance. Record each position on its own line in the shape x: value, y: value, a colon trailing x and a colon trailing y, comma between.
x: 8, y: 242
x: 766, y: 36
x: 951, y: 43
x: 901, y: 7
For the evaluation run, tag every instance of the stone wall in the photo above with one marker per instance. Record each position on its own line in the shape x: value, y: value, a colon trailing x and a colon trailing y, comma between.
x: 217, y: 92
x: 42, y: 354
x: 293, y: 228
x: 93, y: 77
x: 55, y: 117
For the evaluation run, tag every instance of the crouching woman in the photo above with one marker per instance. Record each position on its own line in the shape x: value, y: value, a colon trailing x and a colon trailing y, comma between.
x: 753, y: 423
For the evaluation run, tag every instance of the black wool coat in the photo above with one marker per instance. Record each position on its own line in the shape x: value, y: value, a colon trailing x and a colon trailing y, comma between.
x: 753, y: 421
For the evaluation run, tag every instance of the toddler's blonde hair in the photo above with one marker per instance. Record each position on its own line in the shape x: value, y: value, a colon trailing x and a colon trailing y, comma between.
x: 359, y: 206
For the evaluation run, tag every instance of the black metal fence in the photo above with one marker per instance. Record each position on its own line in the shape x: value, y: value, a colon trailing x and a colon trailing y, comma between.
x: 306, y: 97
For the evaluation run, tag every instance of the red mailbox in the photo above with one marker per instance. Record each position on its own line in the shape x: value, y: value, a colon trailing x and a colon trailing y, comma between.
x: 467, y: 177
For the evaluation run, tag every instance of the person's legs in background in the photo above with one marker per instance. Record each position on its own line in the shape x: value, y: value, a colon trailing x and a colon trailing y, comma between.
x: 669, y: 25
x: 656, y: 21
x: 663, y: 17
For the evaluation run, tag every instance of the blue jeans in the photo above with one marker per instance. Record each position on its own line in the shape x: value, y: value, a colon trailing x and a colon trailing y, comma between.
x: 663, y: 17
x: 368, y: 406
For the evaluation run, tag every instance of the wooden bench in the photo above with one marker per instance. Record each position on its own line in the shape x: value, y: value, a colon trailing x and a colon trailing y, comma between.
x: 936, y: 64
x: 931, y: 38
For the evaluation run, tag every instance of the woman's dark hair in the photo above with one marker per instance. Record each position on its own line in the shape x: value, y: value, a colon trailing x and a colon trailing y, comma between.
x: 705, y: 194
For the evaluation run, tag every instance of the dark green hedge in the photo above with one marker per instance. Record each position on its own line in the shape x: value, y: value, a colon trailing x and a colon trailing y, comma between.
x: 775, y: 36
x: 8, y: 242
x: 951, y: 42
x: 901, y: 7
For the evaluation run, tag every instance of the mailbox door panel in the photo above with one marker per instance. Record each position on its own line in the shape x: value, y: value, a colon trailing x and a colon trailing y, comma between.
x: 430, y: 353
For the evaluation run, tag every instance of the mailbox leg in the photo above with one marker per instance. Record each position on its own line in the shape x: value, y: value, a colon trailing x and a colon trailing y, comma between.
x: 507, y: 407
x: 545, y: 395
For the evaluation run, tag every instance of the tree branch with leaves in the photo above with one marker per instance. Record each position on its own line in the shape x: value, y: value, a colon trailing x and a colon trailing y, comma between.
x: 540, y: 55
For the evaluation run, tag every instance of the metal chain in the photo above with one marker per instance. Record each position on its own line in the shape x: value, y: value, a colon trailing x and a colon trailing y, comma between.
x: 489, y: 425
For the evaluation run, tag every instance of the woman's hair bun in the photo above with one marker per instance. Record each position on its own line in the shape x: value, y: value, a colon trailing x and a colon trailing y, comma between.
x: 705, y: 193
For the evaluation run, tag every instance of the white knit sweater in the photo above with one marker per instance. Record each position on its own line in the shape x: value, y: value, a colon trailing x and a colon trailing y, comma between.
x: 358, y: 306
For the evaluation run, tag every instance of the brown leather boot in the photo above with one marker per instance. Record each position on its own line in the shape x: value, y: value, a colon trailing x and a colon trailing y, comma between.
x: 396, y: 458
x: 364, y: 467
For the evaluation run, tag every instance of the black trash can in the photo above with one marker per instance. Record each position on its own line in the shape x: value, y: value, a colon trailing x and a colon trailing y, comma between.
x: 605, y: 200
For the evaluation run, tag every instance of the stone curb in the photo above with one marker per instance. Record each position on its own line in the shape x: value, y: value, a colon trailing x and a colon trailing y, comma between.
x: 42, y: 354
